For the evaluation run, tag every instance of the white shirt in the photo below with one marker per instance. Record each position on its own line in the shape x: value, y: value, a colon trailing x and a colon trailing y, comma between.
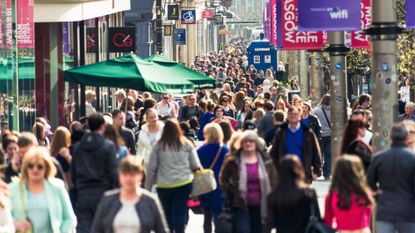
x: 127, y: 220
x: 405, y: 93
x: 296, y: 128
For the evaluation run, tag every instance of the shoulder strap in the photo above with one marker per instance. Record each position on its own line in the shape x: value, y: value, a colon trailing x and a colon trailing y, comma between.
x: 325, y: 116
x: 23, y: 198
x: 216, y: 157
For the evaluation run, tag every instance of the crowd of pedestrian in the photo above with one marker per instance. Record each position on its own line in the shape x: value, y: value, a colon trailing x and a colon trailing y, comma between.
x: 132, y: 170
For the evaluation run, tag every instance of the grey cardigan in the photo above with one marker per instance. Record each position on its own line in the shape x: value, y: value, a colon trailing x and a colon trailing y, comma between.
x: 148, y: 208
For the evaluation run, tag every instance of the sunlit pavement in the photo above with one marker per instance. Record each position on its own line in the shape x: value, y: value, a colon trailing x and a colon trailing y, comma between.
x: 196, y: 221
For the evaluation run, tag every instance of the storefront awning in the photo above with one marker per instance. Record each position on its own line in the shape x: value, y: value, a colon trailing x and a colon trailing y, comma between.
x: 71, y: 11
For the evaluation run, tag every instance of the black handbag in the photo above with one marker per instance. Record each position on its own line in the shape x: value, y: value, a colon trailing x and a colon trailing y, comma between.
x: 224, y: 222
x: 315, y: 225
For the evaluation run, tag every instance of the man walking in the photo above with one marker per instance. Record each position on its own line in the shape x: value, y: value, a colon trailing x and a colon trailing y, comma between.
x: 298, y: 139
x: 190, y: 110
x: 392, y: 174
x: 266, y: 122
x: 94, y: 171
x: 118, y: 117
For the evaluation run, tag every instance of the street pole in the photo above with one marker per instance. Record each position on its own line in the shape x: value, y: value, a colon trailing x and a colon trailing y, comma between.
x: 338, y: 109
x: 384, y: 31
x: 316, y: 76
x: 159, y: 28
x: 303, y: 74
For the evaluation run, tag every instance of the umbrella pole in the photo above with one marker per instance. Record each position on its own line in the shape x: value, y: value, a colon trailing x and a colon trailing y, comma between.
x: 126, y: 106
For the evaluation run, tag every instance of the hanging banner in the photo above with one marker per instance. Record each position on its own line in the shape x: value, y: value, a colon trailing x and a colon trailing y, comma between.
x: 208, y: 14
x: 410, y: 13
x: 274, y: 22
x: 25, y: 27
x: 188, y: 16
x: 267, y: 16
x: 1, y: 27
x: 9, y: 23
x: 328, y: 15
x: 360, y: 40
x: 288, y: 36
x: 179, y: 36
x: 172, y: 12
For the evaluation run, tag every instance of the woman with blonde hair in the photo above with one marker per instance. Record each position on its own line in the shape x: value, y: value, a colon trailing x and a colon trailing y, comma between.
x: 211, y: 155
x: 40, y: 202
x: 281, y: 105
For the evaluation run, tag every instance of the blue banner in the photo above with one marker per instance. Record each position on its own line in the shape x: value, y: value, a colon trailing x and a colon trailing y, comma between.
x: 180, y: 36
x: 410, y: 13
x: 328, y: 15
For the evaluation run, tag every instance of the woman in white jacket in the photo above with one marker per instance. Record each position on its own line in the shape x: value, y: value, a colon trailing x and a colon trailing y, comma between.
x: 6, y: 220
x: 150, y: 133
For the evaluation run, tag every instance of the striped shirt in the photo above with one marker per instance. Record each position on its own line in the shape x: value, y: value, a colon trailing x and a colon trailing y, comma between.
x: 170, y: 168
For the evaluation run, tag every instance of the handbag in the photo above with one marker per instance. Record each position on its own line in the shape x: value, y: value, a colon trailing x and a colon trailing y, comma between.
x: 224, y: 222
x: 204, y: 179
x: 315, y: 225
x: 24, y: 206
x: 194, y: 205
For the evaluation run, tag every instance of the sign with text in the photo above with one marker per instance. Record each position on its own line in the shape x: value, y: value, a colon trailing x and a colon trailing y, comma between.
x: 172, y: 12
x: 410, y: 13
x: 25, y: 32
x: 9, y: 24
x: 328, y: 15
x: 360, y: 40
x: 208, y: 14
x: 121, y: 39
x: 180, y: 36
x: 168, y: 30
x: 274, y: 22
x: 188, y: 16
x: 288, y: 36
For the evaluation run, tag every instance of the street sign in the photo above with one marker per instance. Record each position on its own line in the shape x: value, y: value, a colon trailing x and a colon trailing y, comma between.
x: 121, y: 39
x: 188, y: 16
x: 208, y: 14
x: 218, y: 19
x: 180, y: 36
x: 173, y: 12
x: 168, y: 30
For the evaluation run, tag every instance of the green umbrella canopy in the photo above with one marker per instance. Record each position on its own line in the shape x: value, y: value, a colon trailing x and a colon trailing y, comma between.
x: 128, y: 71
x: 169, y: 68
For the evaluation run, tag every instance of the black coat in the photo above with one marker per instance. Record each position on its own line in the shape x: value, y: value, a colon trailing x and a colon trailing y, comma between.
x: 392, y: 172
x: 94, y: 165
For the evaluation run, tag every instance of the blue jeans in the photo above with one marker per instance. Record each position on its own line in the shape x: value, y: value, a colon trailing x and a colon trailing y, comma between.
x: 326, y: 151
x: 174, y: 202
x: 247, y: 221
x: 395, y: 227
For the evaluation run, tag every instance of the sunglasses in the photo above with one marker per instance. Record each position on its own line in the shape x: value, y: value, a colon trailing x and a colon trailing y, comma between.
x: 165, y: 97
x: 37, y: 166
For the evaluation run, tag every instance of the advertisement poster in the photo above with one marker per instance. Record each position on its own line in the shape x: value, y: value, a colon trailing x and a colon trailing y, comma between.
x: 360, y: 40
x: 274, y: 22
x: 288, y: 36
x: 328, y: 15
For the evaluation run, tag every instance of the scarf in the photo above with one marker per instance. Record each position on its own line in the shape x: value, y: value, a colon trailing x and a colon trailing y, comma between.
x: 263, y: 181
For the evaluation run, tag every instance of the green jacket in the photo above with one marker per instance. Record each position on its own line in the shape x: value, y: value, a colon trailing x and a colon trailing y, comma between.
x: 62, y: 216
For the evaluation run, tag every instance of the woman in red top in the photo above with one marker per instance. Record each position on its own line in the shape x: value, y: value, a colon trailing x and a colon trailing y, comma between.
x: 348, y: 206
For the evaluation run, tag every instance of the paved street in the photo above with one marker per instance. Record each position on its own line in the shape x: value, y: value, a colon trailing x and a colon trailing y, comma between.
x: 196, y: 221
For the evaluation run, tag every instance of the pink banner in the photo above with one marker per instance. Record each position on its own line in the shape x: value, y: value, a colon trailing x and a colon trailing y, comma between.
x: 289, y: 38
x: 25, y: 25
x: 1, y: 26
x: 9, y: 21
x: 274, y: 22
x: 360, y: 40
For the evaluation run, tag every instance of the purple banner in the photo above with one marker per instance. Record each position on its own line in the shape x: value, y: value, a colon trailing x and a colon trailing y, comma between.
x: 279, y: 23
x: 410, y: 16
x: 328, y: 15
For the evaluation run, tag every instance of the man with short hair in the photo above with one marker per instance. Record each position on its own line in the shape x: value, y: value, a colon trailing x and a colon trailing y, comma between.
x: 118, y: 119
x: 266, y: 121
x: 298, y: 139
x: 190, y: 110
x: 279, y: 119
x: 309, y: 119
x: 409, y: 112
x: 391, y: 174
x: 94, y: 171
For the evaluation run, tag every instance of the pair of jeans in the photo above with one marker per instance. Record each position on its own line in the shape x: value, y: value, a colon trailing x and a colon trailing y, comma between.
x: 247, y: 221
x: 209, y: 216
x: 174, y: 202
x: 86, y: 207
x: 326, y: 151
x: 395, y: 227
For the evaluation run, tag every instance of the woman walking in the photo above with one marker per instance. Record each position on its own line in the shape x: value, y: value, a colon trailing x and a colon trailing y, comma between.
x: 291, y: 201
x: 211, y: 155
x: 172, y: 163
x: 350, y: 200
x: 129, y: 209
x: 40, y: 202
x: 246, y: 179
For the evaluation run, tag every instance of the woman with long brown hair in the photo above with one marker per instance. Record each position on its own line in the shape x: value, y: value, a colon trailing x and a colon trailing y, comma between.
x: 59, y: 149
x: 350, y: 200
x: 172, y: 163
x: 291, y: 201
x: 354, y: 144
